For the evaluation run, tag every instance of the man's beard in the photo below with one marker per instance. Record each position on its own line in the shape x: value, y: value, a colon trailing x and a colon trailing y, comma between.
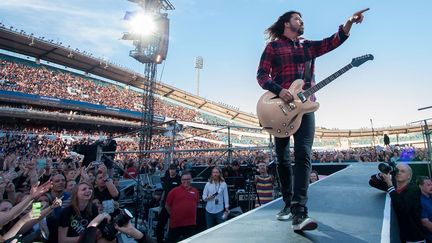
x: 299, y: 30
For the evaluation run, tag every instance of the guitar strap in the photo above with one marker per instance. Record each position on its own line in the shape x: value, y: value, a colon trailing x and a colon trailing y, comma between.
x: 307, y: 75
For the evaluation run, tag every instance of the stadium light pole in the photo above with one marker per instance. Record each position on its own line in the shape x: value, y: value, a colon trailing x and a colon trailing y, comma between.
x: 373, y: 133
x: 198, y: 66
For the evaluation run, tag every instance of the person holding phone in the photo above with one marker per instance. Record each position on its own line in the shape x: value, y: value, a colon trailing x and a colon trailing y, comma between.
x: 216, y: 195
x: 35, y: 192
x: 37, y: 224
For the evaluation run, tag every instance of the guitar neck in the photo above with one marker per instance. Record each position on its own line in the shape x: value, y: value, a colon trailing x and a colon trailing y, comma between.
x: 307, y: 93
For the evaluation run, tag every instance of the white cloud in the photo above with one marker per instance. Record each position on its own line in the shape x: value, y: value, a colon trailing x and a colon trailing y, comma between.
x: 94, y: 29
x: 67, y: 8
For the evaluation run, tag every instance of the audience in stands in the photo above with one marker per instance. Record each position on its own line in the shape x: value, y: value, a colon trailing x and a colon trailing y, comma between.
x: 66, y: 85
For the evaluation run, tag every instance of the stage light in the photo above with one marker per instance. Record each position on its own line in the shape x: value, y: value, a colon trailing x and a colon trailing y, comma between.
x: 143, y: 24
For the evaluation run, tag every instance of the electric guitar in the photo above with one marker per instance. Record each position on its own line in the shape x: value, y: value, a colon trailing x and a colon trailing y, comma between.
x: 282, y: 119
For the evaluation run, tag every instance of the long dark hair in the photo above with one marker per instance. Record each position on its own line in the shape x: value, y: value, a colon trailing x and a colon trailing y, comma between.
x: 276, y: 30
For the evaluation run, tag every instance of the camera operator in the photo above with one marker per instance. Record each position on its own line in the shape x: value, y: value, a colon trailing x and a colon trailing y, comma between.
x: 377, y: 180
x: 425, y: 185
x: 216, y: 195
x: 405, y: 198
x: 90, y: 234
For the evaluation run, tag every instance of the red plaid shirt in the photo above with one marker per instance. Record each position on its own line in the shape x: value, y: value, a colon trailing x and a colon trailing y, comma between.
x: 283, y: 60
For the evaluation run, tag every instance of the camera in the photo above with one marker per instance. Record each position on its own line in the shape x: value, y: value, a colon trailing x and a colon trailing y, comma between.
x: 387, y: 168
x: 120, y: 217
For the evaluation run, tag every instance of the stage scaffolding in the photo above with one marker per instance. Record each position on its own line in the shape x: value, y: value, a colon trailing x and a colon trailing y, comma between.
x: 170, y: 151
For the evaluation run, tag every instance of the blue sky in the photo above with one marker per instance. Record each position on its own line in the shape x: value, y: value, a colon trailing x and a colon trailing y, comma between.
x: 228, y: 34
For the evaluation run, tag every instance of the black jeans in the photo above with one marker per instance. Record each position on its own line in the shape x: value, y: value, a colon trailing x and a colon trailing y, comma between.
x: 162, y: 221
x: 180, y: 233
x: 296, y: 194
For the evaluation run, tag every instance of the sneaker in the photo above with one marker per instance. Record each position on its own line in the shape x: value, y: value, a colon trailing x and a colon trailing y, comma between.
x: 301, y: 221
x: 285, y: 214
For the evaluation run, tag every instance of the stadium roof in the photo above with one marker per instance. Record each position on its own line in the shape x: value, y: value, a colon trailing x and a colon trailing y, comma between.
x: 367, y: 132
x: 22, y: 43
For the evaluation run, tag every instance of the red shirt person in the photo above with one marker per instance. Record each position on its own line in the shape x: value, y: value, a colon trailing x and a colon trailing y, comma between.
x: 130, y: 172
x: 181, y: 204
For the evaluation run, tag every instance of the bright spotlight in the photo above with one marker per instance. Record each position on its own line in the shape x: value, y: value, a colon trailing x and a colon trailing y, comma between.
x: 143, y: 24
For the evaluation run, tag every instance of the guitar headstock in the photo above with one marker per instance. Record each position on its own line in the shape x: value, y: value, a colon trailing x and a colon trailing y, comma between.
x: 362, y: 59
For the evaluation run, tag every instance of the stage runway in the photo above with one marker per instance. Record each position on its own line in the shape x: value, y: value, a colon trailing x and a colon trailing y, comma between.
x: 346, y: 207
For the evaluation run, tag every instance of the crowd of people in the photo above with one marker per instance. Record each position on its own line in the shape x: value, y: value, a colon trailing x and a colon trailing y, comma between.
x: 65, y: 85
x: 369, y: 154
x: 32, y: 155
x: 52, y: 201
x: 75, y: 197
x: 49, y: 194
x: 48, y: 142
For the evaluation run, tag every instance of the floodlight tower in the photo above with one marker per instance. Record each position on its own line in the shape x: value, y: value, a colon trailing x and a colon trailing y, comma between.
x: 149, y: 31
x: 198, y: 66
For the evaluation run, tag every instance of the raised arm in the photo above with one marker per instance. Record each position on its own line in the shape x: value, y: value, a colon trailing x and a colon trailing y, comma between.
x: 112, y: 189
x: 357, y: 18
x: 35, y: 192
x: 318, y: 48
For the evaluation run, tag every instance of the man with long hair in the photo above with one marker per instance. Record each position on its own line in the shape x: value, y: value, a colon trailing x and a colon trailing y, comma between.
x: 286, y: 58
x: 215, y: 195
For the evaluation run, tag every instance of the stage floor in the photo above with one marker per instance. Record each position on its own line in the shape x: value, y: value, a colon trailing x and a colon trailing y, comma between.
x: 346, y: 207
